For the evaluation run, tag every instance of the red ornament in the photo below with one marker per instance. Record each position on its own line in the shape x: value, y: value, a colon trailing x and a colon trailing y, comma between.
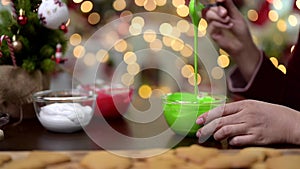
x: 58, y: 55
x: 22, y: 19
x: 63, y: 27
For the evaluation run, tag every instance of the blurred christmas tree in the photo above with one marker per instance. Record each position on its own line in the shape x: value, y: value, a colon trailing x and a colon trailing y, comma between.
x: 36, y: 30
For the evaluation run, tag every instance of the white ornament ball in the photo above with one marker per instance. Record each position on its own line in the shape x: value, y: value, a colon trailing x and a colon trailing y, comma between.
x: 53, y: 13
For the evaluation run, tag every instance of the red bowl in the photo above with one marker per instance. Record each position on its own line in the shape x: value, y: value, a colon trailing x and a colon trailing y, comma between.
x: 113, y: 102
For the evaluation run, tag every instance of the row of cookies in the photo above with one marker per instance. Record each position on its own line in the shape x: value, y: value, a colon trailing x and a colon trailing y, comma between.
x: 34, y: 160
x: 197, y: 157
x: 191, y: 157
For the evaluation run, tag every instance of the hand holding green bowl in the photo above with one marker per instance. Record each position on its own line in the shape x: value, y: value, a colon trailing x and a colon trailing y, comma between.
x: 182, y: 109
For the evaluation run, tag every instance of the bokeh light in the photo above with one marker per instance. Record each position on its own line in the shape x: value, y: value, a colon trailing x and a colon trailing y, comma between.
x: 183, y: 25
x: 217, y: 73
x: 273, y: 15
x: 165, y: 29
x: 89, y: 59
x: 145, y: 91
x: 223, y: 61
x: 121, y: 45
x: 176, y: 3
x: 167, y: 40
x: 77, y: 1
x: 139, y: 2
x: 177, y: 44
x: 281, y: 25
x: 277, y: 4
x: 127, y: 79
x: 150, y: 5
x: 293, y: 21
x: 187, y: 71
x: 282, y: 68
x: 86, y: 6
x: 75, y: 39
x: 119, y: 5
x: 182, y: 10
x: 187, y: 51
x: 191, y: 79
x: 149, y: 35
x: 130, y: 57
x: 252, y: 15
x: 292, y: 48
x: 274, y: 61
x: 133, y: 68
x: 79, y: 51
x: 102, y: 56
x: 138, y: 20
x: 161, y: 2
x: 94, y: 18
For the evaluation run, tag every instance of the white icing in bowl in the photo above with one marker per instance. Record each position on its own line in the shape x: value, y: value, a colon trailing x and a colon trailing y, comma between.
x: 64, y: 111
x: 65, y: 117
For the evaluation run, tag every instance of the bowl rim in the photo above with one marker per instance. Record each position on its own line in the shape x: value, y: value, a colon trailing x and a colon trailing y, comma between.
x: 42, y: 95
x: 220, y: 98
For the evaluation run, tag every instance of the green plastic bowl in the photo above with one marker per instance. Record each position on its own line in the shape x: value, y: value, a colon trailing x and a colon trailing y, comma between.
x: 182, y: 109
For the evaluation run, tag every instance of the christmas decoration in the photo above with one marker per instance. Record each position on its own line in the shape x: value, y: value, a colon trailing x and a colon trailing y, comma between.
x: 27, y: 49
x: 33, y: 37
x: 17, y: 45
x: 53, y: 13
x: 22, y: 19
x: 58, y: 54
x: 64, y: 28
x: 10, y: 48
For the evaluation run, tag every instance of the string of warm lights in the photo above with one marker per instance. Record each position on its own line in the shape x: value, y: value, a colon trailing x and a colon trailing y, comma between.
x: 169, y: 36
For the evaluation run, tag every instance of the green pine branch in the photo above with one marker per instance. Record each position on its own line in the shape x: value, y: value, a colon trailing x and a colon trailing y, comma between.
x: 38, y: 42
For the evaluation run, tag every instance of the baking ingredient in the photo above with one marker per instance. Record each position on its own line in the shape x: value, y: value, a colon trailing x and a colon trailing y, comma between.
x: 65, y: 117
x: 182, y: 109
x: 195, y: 13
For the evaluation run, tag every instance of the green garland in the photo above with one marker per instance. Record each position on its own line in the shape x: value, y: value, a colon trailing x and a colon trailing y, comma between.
x: 38, y: 42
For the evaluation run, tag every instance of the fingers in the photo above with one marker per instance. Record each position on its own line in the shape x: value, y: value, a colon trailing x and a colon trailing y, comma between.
x: 215, y: 28
x: 230, y: 6
x: 223, y: 127
x: 217, y: 14
x: 242, y: 140
x: 225, y: 110
x: 229, y: 131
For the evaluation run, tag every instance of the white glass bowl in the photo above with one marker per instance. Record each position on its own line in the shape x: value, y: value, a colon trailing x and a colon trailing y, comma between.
x: 64, y: 111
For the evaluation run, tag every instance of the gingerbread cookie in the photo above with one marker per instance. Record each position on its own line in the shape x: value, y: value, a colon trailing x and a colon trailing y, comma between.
x: 259, y: 165
x: 105, y: 160
x: 284, y: 162
x: 225, y: 161
x: 262, y: 152
x: 4, y: 158
x: 25, y: 163
x: 48, y: 157
x: 196, y: 153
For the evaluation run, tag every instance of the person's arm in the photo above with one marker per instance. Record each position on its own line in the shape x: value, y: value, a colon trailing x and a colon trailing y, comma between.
x: 251, y: 122
x: 229, y: 29
x: 255, y: 76
x: 270, y: 84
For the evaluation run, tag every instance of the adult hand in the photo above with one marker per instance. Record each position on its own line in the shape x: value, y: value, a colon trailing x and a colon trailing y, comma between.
x: 251, y: 122
x: 229, y: 29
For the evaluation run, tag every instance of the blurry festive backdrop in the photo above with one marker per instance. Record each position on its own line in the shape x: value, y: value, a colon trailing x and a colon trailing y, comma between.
x: 274, y: 24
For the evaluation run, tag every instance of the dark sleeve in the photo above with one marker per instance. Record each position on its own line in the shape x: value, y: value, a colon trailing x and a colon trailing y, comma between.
x: 270, y: 84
